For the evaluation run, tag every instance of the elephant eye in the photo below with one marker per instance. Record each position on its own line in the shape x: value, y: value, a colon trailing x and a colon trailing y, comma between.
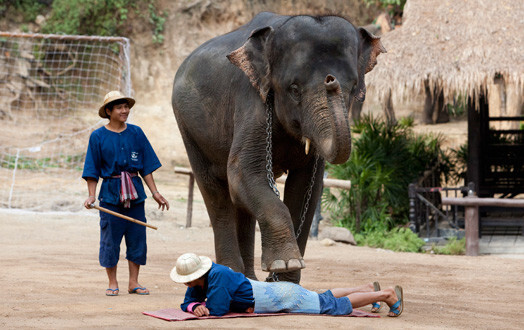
x: 294, y: 92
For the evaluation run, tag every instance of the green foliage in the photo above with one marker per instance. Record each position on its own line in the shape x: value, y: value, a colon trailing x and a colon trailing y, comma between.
x: 385, y: 159
x: 408, y: 121
x: 104, y: 18
x: 458, y: 108
x: 452, y: 247
x: 158, y: 22
x: 87, y: 17
x: 459, y: 157
x: 399, y: 239
x: 29, y: 9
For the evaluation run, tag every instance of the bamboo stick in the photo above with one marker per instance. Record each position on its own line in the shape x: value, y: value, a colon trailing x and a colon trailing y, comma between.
x: 125, y: 217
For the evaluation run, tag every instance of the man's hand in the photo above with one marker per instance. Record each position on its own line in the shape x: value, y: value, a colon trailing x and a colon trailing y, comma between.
x: 201, y: 310
x: 90, y: 200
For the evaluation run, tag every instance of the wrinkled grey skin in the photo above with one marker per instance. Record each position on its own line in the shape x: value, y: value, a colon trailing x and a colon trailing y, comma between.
x: 309, y: 69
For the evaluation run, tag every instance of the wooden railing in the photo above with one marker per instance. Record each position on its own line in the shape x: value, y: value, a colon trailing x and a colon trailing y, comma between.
x: 471, y: 204
x: 332, y: 183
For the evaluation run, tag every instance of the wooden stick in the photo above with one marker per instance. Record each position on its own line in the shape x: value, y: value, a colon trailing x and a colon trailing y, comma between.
x: 125, y: 217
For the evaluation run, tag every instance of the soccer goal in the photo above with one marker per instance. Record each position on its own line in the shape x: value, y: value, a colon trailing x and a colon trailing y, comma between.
x: 50, y: 89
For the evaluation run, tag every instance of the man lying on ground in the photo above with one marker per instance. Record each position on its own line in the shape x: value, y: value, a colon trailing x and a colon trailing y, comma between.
x: 215, y: 289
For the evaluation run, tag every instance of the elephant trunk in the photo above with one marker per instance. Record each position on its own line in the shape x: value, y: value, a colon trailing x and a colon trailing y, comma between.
x: 334, y: 133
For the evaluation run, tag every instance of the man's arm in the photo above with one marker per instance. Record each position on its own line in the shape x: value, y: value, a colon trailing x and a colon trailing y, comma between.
x: 193, y: 296
x: 91, y: 188
x: 218, y: 300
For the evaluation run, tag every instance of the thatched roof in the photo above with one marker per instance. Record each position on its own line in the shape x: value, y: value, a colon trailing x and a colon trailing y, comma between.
x: 458, y: 44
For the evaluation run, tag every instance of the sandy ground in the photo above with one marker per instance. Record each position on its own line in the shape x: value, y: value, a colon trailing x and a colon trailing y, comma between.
x: 51, y: 278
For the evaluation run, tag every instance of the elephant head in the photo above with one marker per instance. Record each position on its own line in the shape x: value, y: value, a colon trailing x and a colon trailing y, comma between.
x: 314, y: 67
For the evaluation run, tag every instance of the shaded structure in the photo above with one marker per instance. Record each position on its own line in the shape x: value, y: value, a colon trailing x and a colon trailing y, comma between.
x: 471, y: 50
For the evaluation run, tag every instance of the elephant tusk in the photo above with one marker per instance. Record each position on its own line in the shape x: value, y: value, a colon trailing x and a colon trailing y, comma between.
x: 308, y: 143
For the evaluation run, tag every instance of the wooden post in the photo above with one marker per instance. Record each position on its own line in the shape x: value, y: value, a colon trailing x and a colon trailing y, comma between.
x: 190, y: 200
x: 474, y: 146
x: 472, y: 230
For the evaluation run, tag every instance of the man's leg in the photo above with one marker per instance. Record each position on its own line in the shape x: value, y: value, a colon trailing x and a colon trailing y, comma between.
x: 136, y: 253
x: 134, y: 269
x: 113, y: 283
x: 344, y: 292
x: 360, y: 299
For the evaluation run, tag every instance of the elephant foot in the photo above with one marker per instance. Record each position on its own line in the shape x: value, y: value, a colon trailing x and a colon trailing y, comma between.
x: 293, y: 276
x: 280, y: 266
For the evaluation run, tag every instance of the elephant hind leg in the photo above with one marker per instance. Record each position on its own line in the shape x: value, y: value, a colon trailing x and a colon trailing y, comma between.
x: 219, y: 206
x: 246, y: 241
x: 223, y: 219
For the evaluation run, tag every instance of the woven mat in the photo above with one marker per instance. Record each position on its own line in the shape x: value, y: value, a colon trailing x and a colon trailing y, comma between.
x: 172, y: 314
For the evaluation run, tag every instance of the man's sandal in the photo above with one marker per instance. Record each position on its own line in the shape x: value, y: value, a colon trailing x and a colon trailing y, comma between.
x: 114, y: 292
x: 376, y: 306
x: 135, y: 290
x: 397, y: 307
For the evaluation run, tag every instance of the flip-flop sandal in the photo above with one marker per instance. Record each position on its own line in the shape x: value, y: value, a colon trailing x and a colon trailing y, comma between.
x: 397, y: 307
x: 114, y: 292
x: 376, y: 306
x: 140, y: 293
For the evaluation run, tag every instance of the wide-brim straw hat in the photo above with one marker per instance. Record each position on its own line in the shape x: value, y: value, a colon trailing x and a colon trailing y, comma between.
x: 190, y: 267
x: 114, y: 96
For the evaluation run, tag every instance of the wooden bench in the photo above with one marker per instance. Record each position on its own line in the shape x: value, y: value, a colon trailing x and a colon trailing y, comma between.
x: 472, y: 203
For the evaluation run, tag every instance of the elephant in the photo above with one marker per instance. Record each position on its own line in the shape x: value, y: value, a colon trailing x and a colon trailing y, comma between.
x: 269, y: 98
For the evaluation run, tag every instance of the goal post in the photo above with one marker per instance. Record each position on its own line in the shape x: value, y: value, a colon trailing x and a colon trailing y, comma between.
x: 50, y: 89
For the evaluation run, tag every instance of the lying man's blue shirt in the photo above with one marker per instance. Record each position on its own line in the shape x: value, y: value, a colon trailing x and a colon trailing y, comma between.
x: 224, y: 289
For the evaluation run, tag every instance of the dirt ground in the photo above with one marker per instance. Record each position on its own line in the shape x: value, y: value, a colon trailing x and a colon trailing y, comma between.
x: 51, y: 278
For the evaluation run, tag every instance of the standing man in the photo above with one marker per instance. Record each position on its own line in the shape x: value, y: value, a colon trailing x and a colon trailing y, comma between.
x: 118, y: 152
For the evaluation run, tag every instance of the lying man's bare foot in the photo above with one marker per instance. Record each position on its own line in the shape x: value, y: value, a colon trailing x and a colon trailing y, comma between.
x: 395, y: 301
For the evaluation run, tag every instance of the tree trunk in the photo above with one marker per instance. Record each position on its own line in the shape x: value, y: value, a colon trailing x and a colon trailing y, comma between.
x: 388, y: 109
x: 441, y: 109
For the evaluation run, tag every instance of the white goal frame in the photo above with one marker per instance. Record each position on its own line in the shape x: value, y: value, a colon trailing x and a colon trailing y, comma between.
x: 51, y: 183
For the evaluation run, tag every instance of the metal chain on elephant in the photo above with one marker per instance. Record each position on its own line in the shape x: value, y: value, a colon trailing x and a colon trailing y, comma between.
x: 269, y: 149
x: 308, y: 197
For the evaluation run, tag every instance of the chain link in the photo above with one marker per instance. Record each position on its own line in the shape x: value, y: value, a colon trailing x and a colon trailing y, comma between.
x: 307, y: 197
x: 269, y: 149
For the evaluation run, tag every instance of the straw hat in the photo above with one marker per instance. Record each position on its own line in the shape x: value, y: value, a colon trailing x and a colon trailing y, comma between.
x: 114, y: 96
x: 190, y: 267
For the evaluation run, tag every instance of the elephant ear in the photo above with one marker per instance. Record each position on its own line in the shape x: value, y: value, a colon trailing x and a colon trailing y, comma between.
x: 370, y: 48
x: 252, y: 59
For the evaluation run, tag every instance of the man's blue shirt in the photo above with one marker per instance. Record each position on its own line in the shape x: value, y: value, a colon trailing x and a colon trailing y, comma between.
x: 109, y: 153
x: 225, y: 291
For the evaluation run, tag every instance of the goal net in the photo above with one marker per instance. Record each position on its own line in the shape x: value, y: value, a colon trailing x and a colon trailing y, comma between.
x: 50, y: 89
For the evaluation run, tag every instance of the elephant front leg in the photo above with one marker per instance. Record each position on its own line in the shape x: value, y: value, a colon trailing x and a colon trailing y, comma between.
x: 303, y: 190
x: 251, y: 192
x: 280, y: 252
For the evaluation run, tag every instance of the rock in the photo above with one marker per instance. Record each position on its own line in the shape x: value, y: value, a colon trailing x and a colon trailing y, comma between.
x: 40, y: 20
x: 338, y: 234
x: 327, y: 242
x: 383, y: 20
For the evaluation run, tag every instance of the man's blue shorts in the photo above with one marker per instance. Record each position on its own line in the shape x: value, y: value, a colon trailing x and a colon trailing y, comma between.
x: 113, y: 228
x: 334, y: 306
